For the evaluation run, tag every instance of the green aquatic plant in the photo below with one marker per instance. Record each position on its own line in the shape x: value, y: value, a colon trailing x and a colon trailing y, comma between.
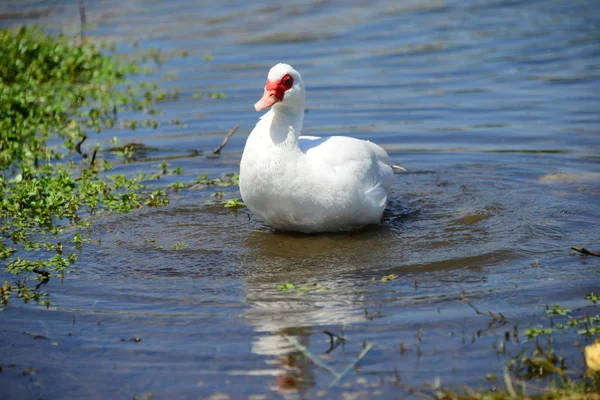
x: 78, y: 239
x: 179, y: 246
x: 5, y: 292
x: 176, y: 186
x: 286, y: 286
x: 389, y: 278
x: 532, y: 333
x: 233, y: 203
x: 225, y: 181
x: 539, y: 373
x: 52, y: 87
x: 557, y: 310
x: 312, y: 287
x: 588, y: 325
x: 303, y: 288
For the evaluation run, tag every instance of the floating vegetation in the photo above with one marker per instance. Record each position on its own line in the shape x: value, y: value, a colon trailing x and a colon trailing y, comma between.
x: 179, y: 246
x: 286, y: 286
x: 303, y: 288
x: 557, y: 310
x: 586, y: 325
x: 532, y: 333
x: 540, y: 373
x: 233, y: 179
x: 178, y: 185
x: 233, y: 203
x: 226, y: 180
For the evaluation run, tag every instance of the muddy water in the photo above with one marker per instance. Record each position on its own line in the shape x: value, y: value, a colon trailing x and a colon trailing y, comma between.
x: 491, y: 106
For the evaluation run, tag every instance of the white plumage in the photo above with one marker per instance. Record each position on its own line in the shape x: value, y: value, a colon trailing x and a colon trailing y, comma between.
x: 307, y: 183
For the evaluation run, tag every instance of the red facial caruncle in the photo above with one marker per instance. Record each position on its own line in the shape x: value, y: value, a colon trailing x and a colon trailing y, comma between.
x: 274, y: 92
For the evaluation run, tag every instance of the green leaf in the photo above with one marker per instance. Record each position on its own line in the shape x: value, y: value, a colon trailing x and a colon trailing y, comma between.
x: 286, y: 286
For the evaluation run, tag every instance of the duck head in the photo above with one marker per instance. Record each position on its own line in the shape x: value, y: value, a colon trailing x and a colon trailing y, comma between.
x: 284, y: 89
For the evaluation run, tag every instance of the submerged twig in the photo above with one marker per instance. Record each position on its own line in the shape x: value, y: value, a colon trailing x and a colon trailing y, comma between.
x: 585, y: 251
x: 333, y: 344
x: 78, y: 146
x: 224, y: 142
x: 494, y: 317
x: 45, y: 274
x: 315, y: 359
x: 45, y: 277
x: 35, y: 335
x: 93, y: 160
x: 308, y: 354
x: 349, y: 367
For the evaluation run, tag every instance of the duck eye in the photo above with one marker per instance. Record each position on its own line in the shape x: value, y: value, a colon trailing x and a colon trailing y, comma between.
x: 288, y: 81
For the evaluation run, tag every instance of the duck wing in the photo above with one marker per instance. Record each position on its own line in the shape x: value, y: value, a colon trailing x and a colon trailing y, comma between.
x: 360, y: 161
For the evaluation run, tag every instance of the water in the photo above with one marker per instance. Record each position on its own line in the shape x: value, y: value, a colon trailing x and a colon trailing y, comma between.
x: 491, y: 106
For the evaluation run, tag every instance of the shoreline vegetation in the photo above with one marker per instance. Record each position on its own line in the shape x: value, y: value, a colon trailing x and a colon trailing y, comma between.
x: 55, y: 92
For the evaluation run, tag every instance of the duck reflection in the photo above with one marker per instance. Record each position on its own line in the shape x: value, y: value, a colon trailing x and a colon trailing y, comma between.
x: 324, y: 294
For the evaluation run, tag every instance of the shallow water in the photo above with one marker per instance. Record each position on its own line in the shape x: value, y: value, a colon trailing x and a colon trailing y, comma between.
x: 491, y: 106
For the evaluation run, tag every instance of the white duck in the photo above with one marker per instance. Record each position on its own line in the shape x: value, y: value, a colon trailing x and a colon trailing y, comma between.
x: 308, y: 183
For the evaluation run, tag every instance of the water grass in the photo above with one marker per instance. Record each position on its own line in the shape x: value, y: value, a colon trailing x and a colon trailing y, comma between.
x: 57, y: 89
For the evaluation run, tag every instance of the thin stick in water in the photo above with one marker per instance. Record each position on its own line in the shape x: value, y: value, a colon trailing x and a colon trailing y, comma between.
x: 231, y: 132
x: 349, y: 367
x: 585, y: 251
x: 498, y: 317
x: 319, y: 363
x: 334, y: 341
x: 78, y: 146
x: 92, y: 162
x: 308, y: 354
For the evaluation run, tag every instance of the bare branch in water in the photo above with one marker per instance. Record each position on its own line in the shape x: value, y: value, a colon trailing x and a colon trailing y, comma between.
x: 315, y: 359
x: 310, y: 355
x: 494, y: 317
x: 334, y: 341
x: 585, y: 251
x: 231, y: 132
x: 93, y: 160
x: 349, y: 367
x: 78, y: 146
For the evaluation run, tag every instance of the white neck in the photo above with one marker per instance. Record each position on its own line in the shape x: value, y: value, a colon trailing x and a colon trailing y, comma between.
x: 284, y: 125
